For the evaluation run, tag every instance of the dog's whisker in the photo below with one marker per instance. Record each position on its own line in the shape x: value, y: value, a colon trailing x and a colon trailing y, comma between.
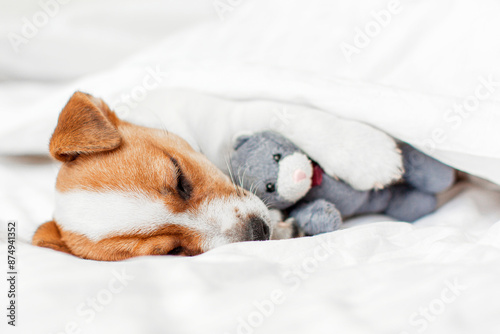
x: 256, y: 184
x: 243, y: 176
x: 240, y: 188
x: 253, y: 187
x: 240, y: 181
x: 231, y: 175
x: 229, y: 169
x: 161, y: 123
x: 250, y: 188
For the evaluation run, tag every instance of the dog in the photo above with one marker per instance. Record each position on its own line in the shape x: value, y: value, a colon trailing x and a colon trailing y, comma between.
x: 125, y: 190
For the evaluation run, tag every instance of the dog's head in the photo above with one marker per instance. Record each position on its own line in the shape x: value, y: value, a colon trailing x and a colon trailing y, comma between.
x: 124, y: 190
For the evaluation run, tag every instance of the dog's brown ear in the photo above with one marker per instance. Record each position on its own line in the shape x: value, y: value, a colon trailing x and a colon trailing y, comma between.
x: 48, y: 235
x: 86, y: 125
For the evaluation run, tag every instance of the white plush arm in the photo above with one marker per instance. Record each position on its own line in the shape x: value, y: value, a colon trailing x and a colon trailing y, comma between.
x: 357, y: 153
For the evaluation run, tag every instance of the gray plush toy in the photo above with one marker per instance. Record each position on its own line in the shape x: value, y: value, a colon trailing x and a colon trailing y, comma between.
x: 286, y: 179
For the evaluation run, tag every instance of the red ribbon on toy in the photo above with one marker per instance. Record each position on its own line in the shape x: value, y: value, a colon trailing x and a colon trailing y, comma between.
x: 317, y: 176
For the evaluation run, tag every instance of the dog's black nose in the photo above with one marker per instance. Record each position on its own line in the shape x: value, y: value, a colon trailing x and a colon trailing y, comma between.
x: 258, y: 229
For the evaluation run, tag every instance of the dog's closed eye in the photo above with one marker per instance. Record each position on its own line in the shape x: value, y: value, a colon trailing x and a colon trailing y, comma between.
x: 161, y: 250
x: 183, y: 187
x: 176, y: 251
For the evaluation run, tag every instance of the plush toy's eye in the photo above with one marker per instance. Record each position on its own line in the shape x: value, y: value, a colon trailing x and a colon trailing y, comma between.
x: 277, y: 157
x: 270, y: 187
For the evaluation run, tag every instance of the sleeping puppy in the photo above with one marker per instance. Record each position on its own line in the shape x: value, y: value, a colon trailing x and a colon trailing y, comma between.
x: 124, y: 190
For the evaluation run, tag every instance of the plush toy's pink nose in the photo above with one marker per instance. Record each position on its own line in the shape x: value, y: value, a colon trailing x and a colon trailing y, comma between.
x: 299, y: 175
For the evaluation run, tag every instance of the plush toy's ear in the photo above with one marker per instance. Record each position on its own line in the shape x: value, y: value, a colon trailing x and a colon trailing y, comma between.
x: 49, y: 236
x: 86, y: 125
x: 240, y: 140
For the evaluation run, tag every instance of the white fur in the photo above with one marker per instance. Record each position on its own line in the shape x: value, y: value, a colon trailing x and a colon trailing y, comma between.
x: 98, y: 215
x: 357, y: 153
x: 286, y: 185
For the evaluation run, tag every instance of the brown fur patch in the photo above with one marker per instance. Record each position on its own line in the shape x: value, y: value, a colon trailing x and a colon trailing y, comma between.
x: 83, y: 128
x: 48, y: 235
x: 161, y: 242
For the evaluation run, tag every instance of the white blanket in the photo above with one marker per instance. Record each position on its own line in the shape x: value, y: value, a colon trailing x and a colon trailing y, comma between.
x: 429, y: 77
x: 413, y: 91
